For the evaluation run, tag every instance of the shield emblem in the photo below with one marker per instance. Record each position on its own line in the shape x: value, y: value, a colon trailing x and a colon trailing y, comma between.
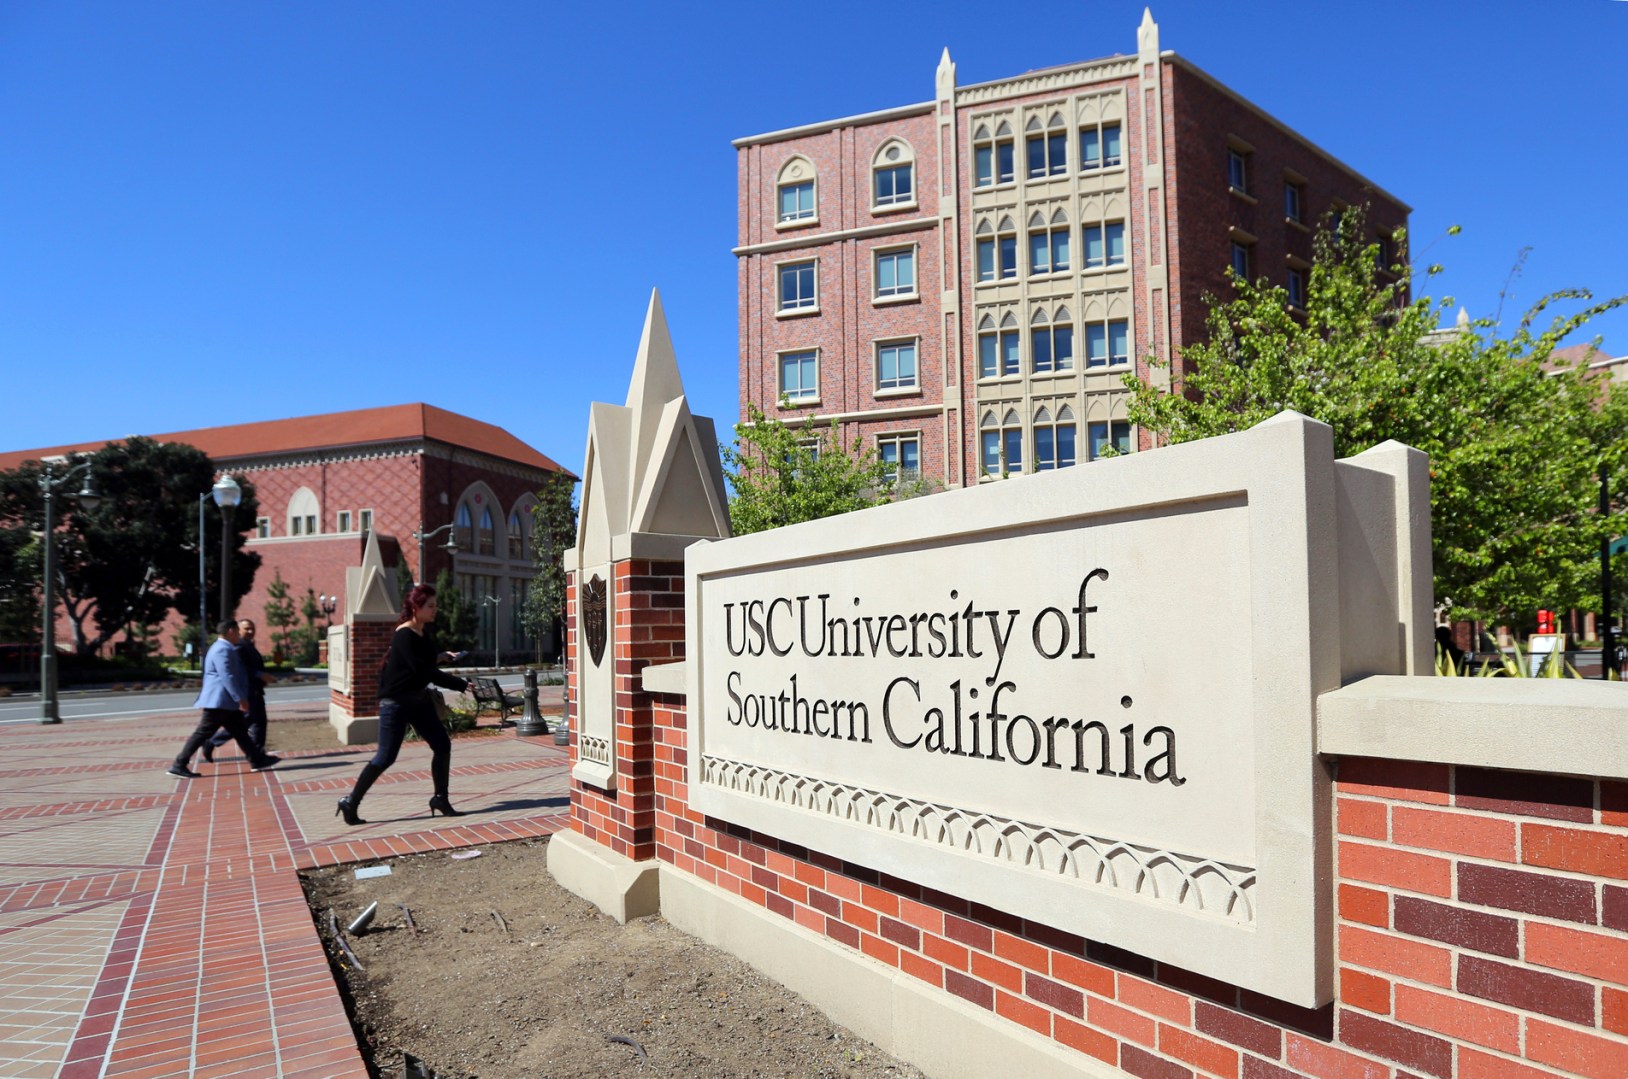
x: 593, y: 617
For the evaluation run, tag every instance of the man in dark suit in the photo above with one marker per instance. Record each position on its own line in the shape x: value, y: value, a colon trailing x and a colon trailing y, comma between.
x: 224, y: 699
x: 254, y: 669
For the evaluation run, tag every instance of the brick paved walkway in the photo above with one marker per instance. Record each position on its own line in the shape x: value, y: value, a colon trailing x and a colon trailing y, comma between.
x: 154, y: 926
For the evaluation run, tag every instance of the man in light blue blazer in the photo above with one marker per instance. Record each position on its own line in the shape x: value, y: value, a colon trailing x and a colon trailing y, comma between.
x: 224, y: 699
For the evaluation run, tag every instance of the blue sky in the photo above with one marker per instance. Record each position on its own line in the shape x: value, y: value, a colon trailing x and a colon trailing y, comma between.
x: 214, y: 213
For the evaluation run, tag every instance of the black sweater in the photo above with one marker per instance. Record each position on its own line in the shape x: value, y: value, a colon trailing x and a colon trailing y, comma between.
x: 409, y: 667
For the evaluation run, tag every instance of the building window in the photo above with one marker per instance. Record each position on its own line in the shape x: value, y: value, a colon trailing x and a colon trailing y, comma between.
x: 797, y: 201
x: 1099, y: 146
x: 800, y: 376
x: 896, y: 366
x: 365, y: 520
x: 1101, y: 435
x: 1048, y: 150
x: 517, y: 536
x: 1292, y: 202
x: 303, y: 513
x: 895, y: 273
x: 1048, y: 250
x: 998, y: 353
x: 1051, y: 347
x: 900, y: 456
x: 485, y: 539
x: 463, y: 531
x: 992, y: 158
x: 1240, y: 260
x: 1238, y: 170
x: 895, y: 185
x: 997, y: 254
x: 1297, y: 287
x: 1001, y: 444
x: 1104, y: 245
x: 797, y: 286
x: 1384, y: 252
x: 1053, y: 439
x: 1107, y: 344
x: 343, y: 522
x: 262, y: 528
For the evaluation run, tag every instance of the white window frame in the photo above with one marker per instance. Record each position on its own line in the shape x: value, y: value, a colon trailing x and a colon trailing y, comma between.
x: 342, y: 521
x: 914, y: 385
x: 1102, y: 163
x: 877, y: 296
x: 1110, y: 360
x: 810, y: 308
x: 364, y: 520
x: 262, y: 528
x: 811, y: 398
x: 897, y: 439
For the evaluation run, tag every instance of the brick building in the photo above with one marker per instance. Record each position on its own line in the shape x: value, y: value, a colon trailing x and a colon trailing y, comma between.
x: 965, y: 281
x: 323, y: 482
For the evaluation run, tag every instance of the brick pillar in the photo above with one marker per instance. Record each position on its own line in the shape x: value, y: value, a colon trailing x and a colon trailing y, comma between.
x: 649, y: 605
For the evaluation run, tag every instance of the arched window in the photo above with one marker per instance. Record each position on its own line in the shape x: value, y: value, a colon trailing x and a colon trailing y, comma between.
x: 1001, y: 443
x: 1054, y: 439
x: 304, y: 513
x: 1051, y: 342
x: 794, y: 193
x: 1047, y: 146
x: 992, y: 156
x: 464, y: 532
x: 893, y: 175
x: 517, y: 536
x: 484, y: 540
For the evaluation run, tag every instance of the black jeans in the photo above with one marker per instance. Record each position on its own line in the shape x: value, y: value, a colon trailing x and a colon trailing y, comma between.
x: 256, y: 723
x: 213, y: 720
x: 395, y: 716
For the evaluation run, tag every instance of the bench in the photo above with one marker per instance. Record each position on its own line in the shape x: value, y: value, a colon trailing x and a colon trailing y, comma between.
x: 489, y: 695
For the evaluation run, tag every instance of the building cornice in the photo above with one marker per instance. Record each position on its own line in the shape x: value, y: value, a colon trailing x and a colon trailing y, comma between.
x: 414, y: 448
x: 1220, y: 87
x: 896, y: 113
x: 1051, y: 80
x: 812, y: 239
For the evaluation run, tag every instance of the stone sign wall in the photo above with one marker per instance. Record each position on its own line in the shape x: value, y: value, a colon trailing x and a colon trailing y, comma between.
x: 1086, y: 697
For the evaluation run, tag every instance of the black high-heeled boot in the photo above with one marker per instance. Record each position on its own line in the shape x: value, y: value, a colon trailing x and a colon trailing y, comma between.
x: 347, y: 810
x: 443, y: 805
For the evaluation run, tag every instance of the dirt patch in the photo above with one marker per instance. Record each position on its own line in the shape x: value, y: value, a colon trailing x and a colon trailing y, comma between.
x: 542, y: 992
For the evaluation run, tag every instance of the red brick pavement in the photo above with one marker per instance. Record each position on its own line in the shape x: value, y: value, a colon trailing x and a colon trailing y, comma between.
x: 153, y: 926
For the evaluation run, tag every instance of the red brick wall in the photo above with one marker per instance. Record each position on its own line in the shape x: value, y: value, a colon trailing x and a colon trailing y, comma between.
x: 648, y: 599
x: 368, y: 644
x: 1198, y: 120
x: 1480, y: 932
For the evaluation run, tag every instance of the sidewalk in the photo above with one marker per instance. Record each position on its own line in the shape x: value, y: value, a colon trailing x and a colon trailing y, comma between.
x: 154, y: 926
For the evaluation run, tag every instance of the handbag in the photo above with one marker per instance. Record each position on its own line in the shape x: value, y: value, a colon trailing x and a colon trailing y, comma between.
x: 439, y: 704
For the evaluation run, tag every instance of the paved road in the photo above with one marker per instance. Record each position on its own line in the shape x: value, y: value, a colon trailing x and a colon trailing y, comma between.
x: 126, y: 706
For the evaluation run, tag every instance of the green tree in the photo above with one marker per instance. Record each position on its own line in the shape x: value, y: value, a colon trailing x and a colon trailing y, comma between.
x: 553, y: 531
x: 19, y: 586
x: 454, y: 616
x: 279, y: 617
x: 1514, y: 447
x: 782, y: 475
x: 135, y: 557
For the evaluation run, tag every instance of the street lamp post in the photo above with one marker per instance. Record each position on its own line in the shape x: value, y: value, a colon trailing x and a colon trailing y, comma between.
x: 227, y: 495
x: 451, y: 545
x: 203, y: 582
x: 88, y: 501
x: 493, y: 602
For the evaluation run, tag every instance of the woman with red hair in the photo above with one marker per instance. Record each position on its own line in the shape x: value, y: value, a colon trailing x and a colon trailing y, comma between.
x: 404, y: 701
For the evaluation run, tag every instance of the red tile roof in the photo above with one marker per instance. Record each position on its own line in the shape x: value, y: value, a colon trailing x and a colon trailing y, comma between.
x: 332, y: 430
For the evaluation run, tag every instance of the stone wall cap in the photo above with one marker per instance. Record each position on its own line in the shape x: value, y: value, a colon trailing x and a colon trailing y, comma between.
x: 667, y: 678
x: 1567, y: 726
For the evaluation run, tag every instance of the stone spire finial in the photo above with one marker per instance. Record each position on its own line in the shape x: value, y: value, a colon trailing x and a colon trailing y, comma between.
x: 655, y: 383
x: 1147, y: 35
x: 946, y: 76
x: 369, y: 591
x: 1463, y: 320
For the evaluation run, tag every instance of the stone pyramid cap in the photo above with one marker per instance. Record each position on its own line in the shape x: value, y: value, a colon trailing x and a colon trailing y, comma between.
x: 369, y: 592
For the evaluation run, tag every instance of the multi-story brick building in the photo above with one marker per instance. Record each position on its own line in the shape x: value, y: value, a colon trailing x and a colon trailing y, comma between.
x: 323, y: 482
x: 965, y: 281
